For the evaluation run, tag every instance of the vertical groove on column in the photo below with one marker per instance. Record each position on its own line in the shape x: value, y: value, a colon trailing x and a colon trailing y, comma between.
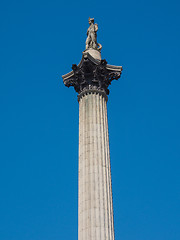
x: 86, y: 174
x: 101, y: 165
x: 84, y: 169
x: 99, y: 210
x: 106, y: 182
x: 88, y: 187
x: 94, y: 163
x: 91, y: 162
x: 97, y: 236
x: 105, y: 174
x: 94, y: 167
x: 82, y: 173
x: 100, y: 173
x: 104, y: 170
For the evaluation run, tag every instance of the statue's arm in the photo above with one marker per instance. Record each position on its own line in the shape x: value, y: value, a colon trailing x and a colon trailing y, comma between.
x: 95, y: 27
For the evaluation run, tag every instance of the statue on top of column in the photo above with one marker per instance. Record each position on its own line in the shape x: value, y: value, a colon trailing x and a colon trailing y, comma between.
x: 91, y: 41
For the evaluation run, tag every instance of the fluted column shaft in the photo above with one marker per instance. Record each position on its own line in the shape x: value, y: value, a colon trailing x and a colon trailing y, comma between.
x: 95, y: 210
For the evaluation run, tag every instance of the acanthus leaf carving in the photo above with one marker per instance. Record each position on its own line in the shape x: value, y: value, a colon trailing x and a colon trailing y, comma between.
x: 89, y: 75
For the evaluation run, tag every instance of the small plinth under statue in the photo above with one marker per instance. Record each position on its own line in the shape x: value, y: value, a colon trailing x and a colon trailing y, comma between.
x: 92, y: 47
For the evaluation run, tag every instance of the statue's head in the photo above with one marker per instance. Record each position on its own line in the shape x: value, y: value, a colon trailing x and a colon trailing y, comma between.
x: 91, y: 20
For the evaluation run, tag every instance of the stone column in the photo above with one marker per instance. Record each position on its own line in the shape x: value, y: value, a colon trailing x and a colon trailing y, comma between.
x: 95, y: 210
x: 90, y: 79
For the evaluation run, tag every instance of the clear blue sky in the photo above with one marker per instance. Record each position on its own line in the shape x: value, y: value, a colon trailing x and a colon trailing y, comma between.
x: 39, y: 42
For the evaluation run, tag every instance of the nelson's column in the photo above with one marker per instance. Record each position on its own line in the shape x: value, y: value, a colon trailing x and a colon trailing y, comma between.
x: 90, y: 79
